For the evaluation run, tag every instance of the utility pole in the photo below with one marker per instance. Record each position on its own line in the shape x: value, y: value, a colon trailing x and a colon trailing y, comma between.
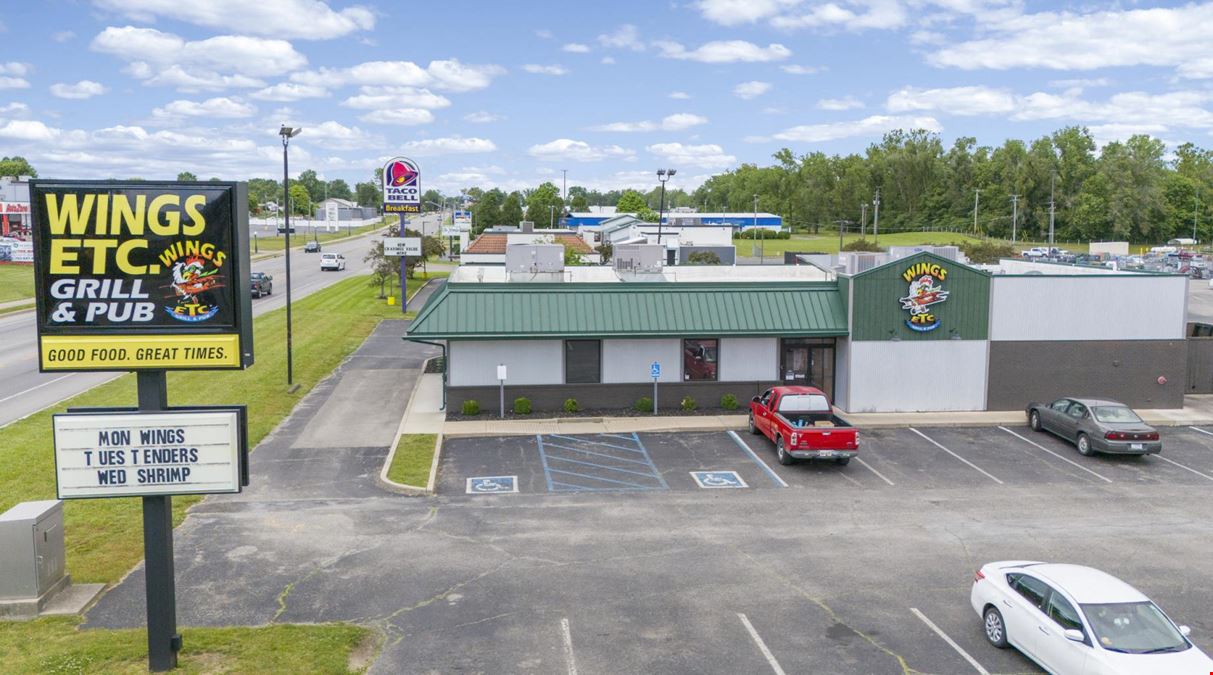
x: 876, y: 216
x: 976, y: 197
x: 564, y: 190
x: 1052, y: 207
x: 863, y: 219
x: 1195, y: 215
x: 760, y: 247
x: 1014, y: 215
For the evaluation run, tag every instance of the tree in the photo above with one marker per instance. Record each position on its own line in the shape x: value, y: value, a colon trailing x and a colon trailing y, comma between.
x: 368, y: 194
x: 579, y: 203
x: 265, y: 190
x: 383, y: 268
x: 571, y: 258
x: 186, y: 176
x: 544, y: 205
x: 487, y: 211
x: 606, y: 251
x: 309, y: 180
x: 631, y: 201
x: 301, y: 203
x: 703, y: 258
x: 511, y: 209
x: 430, y: 196
x: 339, y: 189
x: 16, y: 166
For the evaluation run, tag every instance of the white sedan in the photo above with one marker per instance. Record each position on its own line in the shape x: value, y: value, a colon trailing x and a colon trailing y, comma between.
x: 332, y: 261
x: 1078, y: 620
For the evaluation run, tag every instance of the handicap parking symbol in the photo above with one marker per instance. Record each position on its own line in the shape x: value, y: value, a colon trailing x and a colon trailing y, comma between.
x: 718, y: 479
x: 490, y: 485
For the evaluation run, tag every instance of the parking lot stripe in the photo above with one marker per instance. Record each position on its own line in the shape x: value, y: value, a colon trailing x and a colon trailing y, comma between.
x: 566, y: 636
x: 1207, y: 433
x: 869, y: 468
x: 597, y: 454
x: 1062, y: 458
x: 586, y: 440
x: 600, y: 466
x: 972, y: 661
x: 762, y: 646
x: 600, y: 478
x: 971, y: 464
x: 543, y: 458
x: 1186, y: 468
x: 763, y: 465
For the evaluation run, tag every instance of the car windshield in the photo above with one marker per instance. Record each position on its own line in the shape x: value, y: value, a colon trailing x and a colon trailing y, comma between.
x: 1116, y: 414
x: 1134, y: 628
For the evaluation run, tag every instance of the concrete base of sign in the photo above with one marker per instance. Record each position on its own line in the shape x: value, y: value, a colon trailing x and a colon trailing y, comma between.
x: 29, y: 608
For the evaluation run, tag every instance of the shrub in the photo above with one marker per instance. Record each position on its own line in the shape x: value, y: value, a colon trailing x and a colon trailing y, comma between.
x: 688, y: 403
x: 644, y: 404
x: 471, y: 407
x: 570, y: 405
x: 522, y: 406
x: 728, y: 402
x: 863, y: 245
x: 704, y: 258
x: 987, y: 251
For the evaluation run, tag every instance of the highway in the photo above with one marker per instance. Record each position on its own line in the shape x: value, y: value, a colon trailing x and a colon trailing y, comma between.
x: 24, y: 390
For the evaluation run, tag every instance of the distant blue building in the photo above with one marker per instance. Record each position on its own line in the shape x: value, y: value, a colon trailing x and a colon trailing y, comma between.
x: 740, y: 220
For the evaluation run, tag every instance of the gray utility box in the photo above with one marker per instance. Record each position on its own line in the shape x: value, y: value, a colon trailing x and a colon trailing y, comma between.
x: 32, y: 562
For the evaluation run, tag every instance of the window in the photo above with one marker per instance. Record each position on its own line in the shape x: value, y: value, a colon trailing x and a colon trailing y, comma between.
x: 766, y: 397
x: 699, y: 359
x: 1077, y: 411
x: 582, y: 361
x: 1060, y: 610
x: 1116, y: 414
x: 801, y: 403
x: 1032, y: 589
x: 1060, y: 405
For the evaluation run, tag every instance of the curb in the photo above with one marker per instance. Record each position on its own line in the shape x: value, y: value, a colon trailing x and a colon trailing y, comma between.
x: 400, y: 488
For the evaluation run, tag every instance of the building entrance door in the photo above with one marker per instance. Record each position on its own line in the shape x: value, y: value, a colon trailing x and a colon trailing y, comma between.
x: 808, y: 362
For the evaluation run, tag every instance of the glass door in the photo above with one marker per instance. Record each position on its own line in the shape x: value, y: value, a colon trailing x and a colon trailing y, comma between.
x: 808, y: 362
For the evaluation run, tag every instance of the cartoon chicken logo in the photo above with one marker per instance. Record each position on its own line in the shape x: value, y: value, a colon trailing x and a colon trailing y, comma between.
x: 924, y: 291
x: 191, y: 283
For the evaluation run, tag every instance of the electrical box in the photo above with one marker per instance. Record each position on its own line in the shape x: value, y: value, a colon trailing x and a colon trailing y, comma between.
x: 32, y: 562
x: 534, y: 258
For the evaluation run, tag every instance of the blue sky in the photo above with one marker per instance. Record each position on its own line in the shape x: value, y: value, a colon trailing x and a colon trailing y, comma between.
x: 508, y: 94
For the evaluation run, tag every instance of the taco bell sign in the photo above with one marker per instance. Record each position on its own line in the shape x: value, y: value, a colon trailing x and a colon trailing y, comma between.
x: 401, y: 186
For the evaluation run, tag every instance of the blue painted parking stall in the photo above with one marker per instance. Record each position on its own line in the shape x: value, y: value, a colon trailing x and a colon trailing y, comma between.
x: 598, y: 463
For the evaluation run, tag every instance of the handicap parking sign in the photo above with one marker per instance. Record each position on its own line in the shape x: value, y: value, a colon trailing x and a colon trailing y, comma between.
x: 491, y: 485
x: 655, y: 370
x: 718, y: 479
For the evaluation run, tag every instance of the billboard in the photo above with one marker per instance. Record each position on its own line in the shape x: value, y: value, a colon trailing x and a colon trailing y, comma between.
x: 401, y: 186
x: 141, y: 275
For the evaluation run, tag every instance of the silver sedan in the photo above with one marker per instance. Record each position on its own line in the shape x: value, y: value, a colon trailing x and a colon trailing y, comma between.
x: 1096, y: 426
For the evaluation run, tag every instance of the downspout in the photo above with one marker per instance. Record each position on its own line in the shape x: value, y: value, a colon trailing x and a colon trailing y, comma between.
x: 441, y: 345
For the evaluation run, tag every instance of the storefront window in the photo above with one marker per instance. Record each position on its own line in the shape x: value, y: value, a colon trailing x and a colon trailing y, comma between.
x: 582, y: 361
x: 699, y: 359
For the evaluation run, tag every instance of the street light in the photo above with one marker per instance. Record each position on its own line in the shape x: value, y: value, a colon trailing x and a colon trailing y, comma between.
x: 287, y: 133
x: 761, y: 233
x: 662, y: 175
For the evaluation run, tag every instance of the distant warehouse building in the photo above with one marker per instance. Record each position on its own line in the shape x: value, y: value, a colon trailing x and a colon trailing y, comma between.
x: 738, y: 220
x: 917, y: 333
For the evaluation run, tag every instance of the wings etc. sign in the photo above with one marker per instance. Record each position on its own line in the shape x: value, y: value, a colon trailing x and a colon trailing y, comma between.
x: 925, y: 290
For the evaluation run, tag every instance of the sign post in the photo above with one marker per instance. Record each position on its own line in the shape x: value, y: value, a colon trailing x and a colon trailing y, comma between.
x: 403, y: 247
x: 501, y: 390
x: 655, y: 373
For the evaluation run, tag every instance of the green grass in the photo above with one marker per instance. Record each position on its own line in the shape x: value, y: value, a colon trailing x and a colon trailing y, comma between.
x: 57, y: 645
x: 411, y: 463
x: 303, y: 234
x: 825, y: 243
x: 16, y: 282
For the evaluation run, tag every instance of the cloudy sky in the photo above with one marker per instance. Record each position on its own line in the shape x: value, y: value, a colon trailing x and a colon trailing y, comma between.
x: 510, y: 93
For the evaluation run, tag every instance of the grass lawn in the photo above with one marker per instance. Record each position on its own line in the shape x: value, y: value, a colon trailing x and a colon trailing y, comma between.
x: 825, y: 243
x: 16, y: 282
x: 302, y: 235
x: 56, y: 645
x: 411, y: 463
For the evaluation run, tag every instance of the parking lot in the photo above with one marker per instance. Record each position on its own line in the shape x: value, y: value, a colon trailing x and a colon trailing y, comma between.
x: 806, y: 588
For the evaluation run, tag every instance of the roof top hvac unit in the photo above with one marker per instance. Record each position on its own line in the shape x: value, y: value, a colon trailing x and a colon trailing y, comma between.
x: 534, y: 258
x: 854, y: 263
x: 639, y: 258
x: 950, y: 252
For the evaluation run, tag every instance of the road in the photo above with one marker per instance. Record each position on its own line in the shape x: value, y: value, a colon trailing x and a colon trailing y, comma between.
x: 25, y: 390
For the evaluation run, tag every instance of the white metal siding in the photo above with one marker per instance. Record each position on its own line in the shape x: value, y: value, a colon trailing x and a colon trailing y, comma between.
x: 917, y: 376
x: 474, y: 362
x: 842, y: 373
x: 748, y: 359
x: 629, y: 360
x: 1136, y: 307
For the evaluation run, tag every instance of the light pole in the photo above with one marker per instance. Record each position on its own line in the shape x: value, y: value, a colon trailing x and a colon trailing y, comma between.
x: 1052, y: 208
x: 761, y: 241
x: 551, y: 216
x: 1195, y: 216
x: 863, y: 219
x: 287, y: 133
x: 876, y: 217
x: 976, y: 196
x: 1014, y: 215
x: 662, y: 175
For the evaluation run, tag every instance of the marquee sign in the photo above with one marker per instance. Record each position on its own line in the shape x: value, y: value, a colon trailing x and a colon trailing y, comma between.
x: 141, y: 275
x: 925, y: 290
x: 401, y: 186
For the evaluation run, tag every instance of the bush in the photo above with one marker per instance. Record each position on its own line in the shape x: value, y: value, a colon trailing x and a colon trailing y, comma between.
x: 570, y: 405
x: 471, y: 407
x: 522, y: 406
x: 762, y: 233
x: 688, y: 403
x: 987, y: 251
x: 643, y: 404
x: 728, y: 402
x: 704, y: 258
x: 863, y: 245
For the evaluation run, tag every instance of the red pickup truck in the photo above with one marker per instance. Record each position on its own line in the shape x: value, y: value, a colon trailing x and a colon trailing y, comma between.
x: 802, y: 423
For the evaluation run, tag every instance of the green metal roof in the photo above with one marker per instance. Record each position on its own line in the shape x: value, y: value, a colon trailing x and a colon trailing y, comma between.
x: 542, y: 310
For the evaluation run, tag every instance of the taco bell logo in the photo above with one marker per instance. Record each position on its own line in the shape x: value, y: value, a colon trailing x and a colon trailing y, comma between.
x: 401, y: 186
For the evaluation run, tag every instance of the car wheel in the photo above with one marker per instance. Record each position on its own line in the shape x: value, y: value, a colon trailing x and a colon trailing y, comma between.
x: 1084, y: 446
x: 842, y: 461
x: 753, y: 429
x: 1034, y: 421
x: 784, y: 458
x: 995, y: 629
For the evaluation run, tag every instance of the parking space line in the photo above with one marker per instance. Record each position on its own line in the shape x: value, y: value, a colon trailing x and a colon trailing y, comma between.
x: 600, y: 478
x: 762, y: 646
x: 1062, y: 458
x: 971, y: 464
x: 869, y: 468
x: 600, y: 466
x: 586, y: 440
x: 763, y: 465
x: 1207, y: 433
x: 647, y: 458
x: 543, y: 458
x: 1185, y: 468
x: 598, y: 454
x: 566, y: 636
x: 972, y: 661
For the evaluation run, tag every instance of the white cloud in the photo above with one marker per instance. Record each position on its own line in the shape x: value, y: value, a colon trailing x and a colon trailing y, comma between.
x: 191, y: 80
x: 725, y: 51
x: 607, y: 60
x: 306, y: 19
x: 28, y: 130
x: 63, y: 36
x: 877, y: 14
x: 254, y: 57
x: 220, y: 107
x: 14, y: 68
x: 481, y: 117
x: 451, y: 75
x: 290, y: 91
x: 679, y: 95
x: 1072, y: 41
x: 751, y: 89
x: 447, y: 146
x: 537, y: 69
x: 14, y: 108
x: 1081, y: 83
x: 448, y: 75
x: 396, y: 97
x: 709, y: 156
x: 795, y: 69
x: 625, y: 127
x: 401, y: 116
x: 575, y: 48
x: 868, y: 126
x: 844, y: 103
x: 1106, y: 133
x: 81, y: 90
x: 978, y: 100
x: 734, y: 12
x: 675, y: 122
x: 332, y: 134
x: 544, y: 34
x: 13, y: 83
x: 565, y: 149
x: 1179, y: 109
x: 626, y: 36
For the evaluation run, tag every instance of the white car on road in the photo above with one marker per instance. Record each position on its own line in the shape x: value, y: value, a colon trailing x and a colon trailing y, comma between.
x: 1075, y: 620
x: 332, y: 261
